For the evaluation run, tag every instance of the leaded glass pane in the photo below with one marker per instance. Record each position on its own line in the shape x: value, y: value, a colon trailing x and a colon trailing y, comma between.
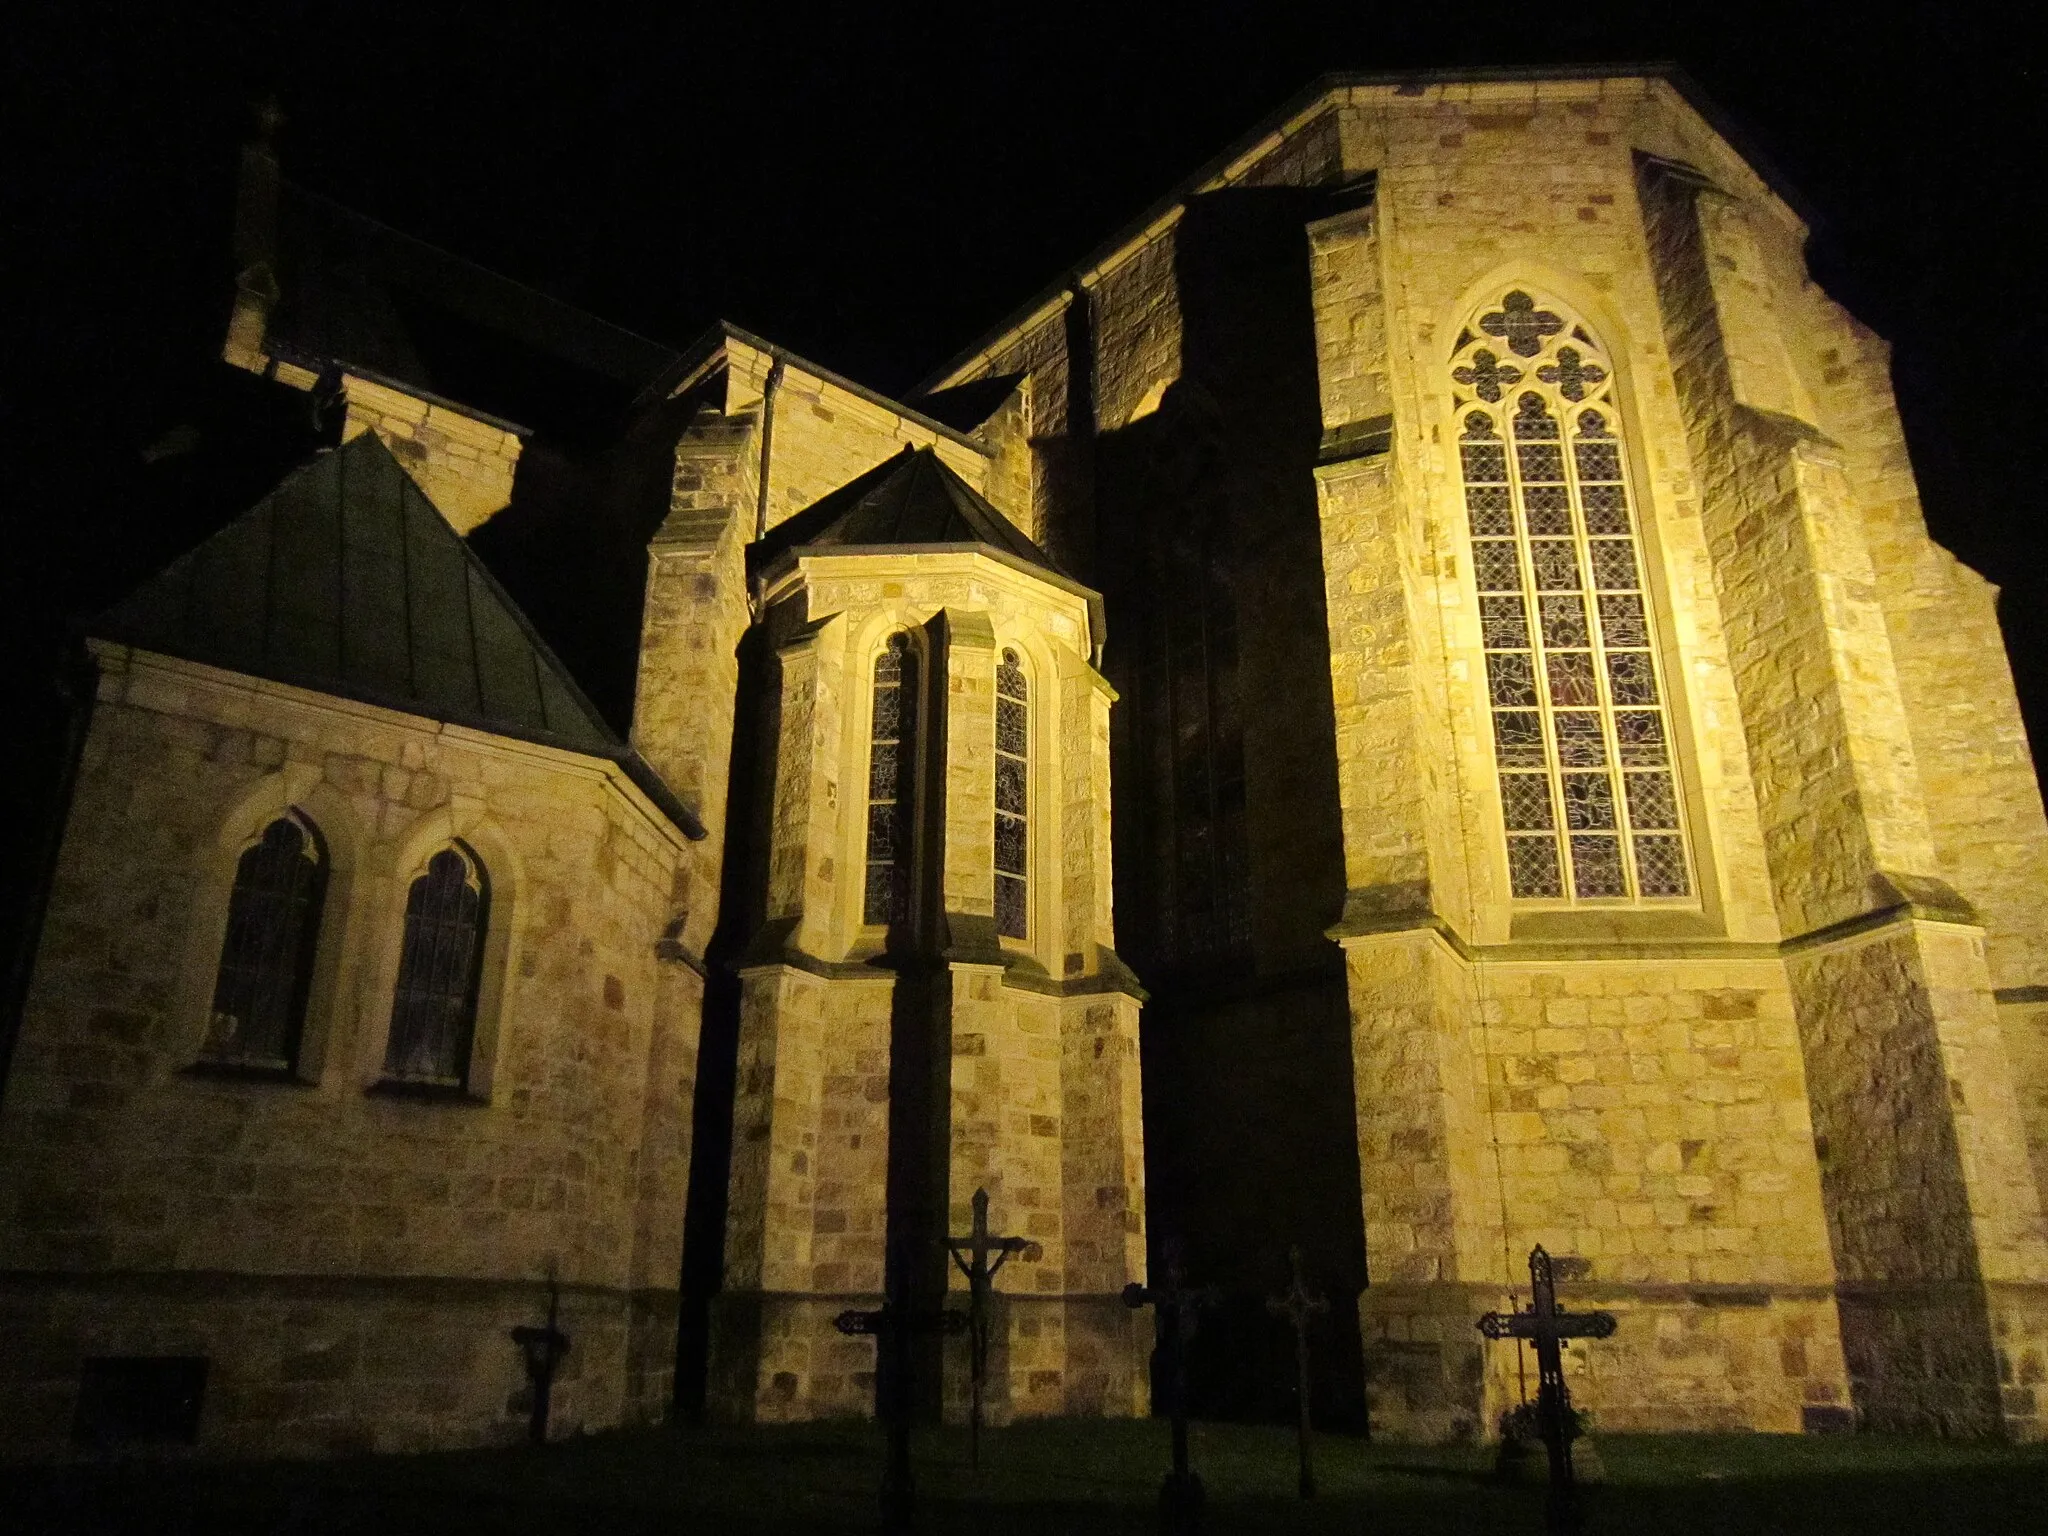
x: 1492, y: 513
x: 1504, y: 623
x: 1485, y: 463
x: 1495, y: 567
x: 1580, y: 743
x: 888, y: 703
x: 1596, y: 866
x: 1532, y: 867
x: 1010, y: 906
x: 1622, y: 621
x: 1606, y: 508
x: 1556, y: 562
x: 882, y: 771
x: 1570, y: 675
x: 1009, y: 726
x: 1518, y: 738
x: 881, y: 839
x: 1598, y: 461
x: 266, y: 960
x: 885, y: 893
x: 1525, y: 800
x: 1511, y: 679
x: 1012, y: 789
x: 1540, y: 461
x: 1651, y: 802
x: 1010, y: 785
x: 1532, y: 421
x: 1614, y: 564
x: 1640, y: 735
x: 1660, y: 866
x: 433, y: 1013
x: 1631, y: 677
x: 1564, y: 621
x: 1549, y: 509
x: 1588, y: 801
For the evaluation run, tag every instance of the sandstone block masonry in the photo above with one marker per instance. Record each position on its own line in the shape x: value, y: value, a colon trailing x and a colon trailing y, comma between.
x: 348, y: 1261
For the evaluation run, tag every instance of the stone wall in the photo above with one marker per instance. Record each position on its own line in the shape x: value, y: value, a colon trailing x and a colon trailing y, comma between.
x: 286, y: 1228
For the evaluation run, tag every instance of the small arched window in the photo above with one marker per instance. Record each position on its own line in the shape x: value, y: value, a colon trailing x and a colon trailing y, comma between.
x: 1012, y: 798
x: 1580, y: 734
x: 892, y: 775
x: 266, y: 960
x: 433, y: 1016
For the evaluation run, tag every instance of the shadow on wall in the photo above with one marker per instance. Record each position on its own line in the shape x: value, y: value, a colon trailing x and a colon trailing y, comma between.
x: 1229, y: 851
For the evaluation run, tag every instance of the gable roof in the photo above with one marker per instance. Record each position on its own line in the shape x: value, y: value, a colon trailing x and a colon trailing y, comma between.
x: 345, y: 580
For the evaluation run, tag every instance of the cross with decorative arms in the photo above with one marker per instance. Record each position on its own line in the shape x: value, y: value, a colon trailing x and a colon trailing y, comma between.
x: 1548, y: 1324
x: 1300, y: 1305
x: 972, y: 1255
x: 1177, y: 1307
x: 892, y: 1324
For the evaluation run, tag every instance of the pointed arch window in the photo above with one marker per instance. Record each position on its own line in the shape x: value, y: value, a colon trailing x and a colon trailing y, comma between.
x: 266, y: 959
x: 433, y: 1015
x: 1013, y: 762
x: 1580, y: 729
x: 892, y: 759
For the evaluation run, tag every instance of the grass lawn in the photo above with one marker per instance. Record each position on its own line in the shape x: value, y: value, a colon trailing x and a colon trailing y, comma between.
x: 1048, y: 1479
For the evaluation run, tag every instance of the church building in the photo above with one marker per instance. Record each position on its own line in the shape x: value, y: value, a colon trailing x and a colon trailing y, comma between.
x: 1405, y: 707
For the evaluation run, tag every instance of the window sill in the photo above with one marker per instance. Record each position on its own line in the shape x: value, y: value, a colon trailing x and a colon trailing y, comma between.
x: 1612, y: 925
x: 244, y: 1072
x: 432, y: 1093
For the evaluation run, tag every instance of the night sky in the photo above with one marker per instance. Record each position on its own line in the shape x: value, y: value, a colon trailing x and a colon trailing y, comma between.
x: 877, y: 186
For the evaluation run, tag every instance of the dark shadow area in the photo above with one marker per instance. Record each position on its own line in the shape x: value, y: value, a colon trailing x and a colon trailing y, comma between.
x: 1229, y: 851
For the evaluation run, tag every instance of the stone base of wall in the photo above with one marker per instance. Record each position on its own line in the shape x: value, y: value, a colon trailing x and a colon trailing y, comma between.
x: 1955, y: 1358
x: 778, y: 1359
x: 309, y: 1366
x: 1682, y: 1360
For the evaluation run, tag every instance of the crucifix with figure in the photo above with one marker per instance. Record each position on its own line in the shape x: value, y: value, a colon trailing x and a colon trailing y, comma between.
x: 892, y: 1325
x: 1177, y: 1307
x: 1300, y: 1306
x: 978, y: 1256
x: 1547, y: 1325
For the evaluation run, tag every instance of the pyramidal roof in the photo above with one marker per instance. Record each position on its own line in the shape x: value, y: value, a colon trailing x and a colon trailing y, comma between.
x: 911, y: 500
x: 345, y: 580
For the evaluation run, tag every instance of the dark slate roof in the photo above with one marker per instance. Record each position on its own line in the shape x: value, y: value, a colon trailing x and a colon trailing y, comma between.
x: 912, y: 499
x: 345, y: 580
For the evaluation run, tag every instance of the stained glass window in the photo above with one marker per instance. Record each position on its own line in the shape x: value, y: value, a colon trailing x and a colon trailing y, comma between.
x: 266, y: 960
x: 892, y: 770
x: 1591, y: 808
x: 433, y: 1016
x: 1013, y: 758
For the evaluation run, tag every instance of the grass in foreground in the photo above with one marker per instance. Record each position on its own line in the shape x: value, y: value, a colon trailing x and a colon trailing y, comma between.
x: 1048, y: 1479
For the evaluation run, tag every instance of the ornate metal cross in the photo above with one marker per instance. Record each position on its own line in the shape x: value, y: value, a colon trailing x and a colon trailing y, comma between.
x: 972, y: 1255
x: 892, y: 1325
x: 1300, y: 1305
x: 1548, y: 1325
x: 1176, y: 1307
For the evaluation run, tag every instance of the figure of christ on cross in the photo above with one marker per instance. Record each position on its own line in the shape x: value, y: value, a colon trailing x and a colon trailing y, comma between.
x: 972, y: 1255
x: 1177, y: 1308
x: 1300, y: 1305
x: 1548, y: 1325
x: 892, y: 1325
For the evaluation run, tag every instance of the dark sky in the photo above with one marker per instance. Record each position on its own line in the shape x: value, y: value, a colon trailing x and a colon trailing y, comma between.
x: 875, y: 186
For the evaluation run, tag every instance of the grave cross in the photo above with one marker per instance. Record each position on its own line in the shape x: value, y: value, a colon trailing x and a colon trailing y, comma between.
x: 972, y: 1255
x: 1298, y: 1304
x: 1177, y: 1307
x: 892, y: 1325
x: 1548, y: 1324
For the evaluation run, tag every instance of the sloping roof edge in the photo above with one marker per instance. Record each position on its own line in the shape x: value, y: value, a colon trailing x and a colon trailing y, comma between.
x: 1302, y: 101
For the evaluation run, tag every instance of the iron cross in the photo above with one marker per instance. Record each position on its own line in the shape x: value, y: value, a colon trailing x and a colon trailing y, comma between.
x: 1300, y: 1305
x: 1177, y: 1307
x: 891, y: 1325
x: 1548, y: 1325
x: 972, y: 1255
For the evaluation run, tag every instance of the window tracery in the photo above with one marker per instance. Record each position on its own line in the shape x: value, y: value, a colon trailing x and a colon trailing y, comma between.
x: 892, y: 740
x: 433, y: 1014
x: 1012, y: 771
x: 1580, y: 733
x: 266, y: 959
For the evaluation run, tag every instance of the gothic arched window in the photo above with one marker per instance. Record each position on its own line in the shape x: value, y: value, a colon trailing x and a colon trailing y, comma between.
x: 892, y: 773
x: 266, y: 960
x: 1012, y: 796
x: 433, y: 1015
x: 1581, y: 738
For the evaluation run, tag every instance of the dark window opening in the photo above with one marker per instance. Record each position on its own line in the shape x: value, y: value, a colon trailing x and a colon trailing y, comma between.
x: 266, y: 960
x: 433, y: 1017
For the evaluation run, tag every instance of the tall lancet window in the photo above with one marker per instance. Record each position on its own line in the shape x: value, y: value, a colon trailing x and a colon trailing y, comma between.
x: 266, y: 960
x: 1581, y: 738
x: 433, y: 1016
x: 1013, y: 759
x: 892, y: 769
